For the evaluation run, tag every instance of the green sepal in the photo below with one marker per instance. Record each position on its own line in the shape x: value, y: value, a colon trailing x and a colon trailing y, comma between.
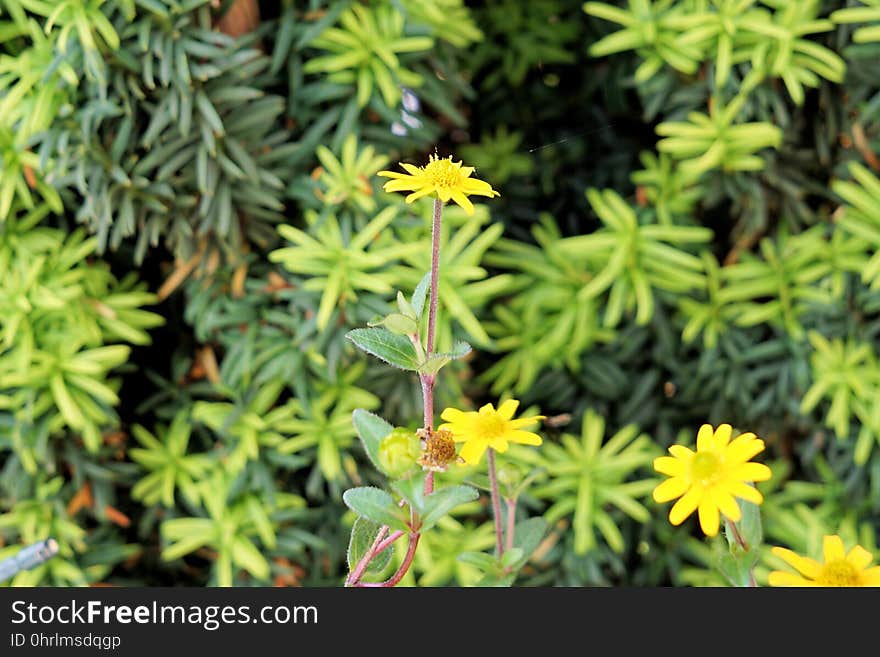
x: 371, y: 429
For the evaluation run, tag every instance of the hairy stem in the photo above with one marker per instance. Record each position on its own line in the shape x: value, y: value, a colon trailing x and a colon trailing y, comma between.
x: 384, y: 545
x: 401, y: 571
x: 496, y: 504
x: 511, y: 523
x: 435, y: 272
x: 361, y: 567
x: 741, y: 541
x: 429, y: 379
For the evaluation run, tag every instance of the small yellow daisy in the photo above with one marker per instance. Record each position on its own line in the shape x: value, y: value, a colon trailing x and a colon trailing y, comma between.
x: 839, y: 569
x: 479, y: 430
x: 709, y: 480
x: 447, y: 179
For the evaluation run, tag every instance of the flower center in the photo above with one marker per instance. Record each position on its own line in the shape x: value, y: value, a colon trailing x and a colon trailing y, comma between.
x: 705, y: 467
x: 443, y: 173
x: 492, y: 426
x: 839, y: 573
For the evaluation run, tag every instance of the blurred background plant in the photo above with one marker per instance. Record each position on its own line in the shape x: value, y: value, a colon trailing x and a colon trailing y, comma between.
x: 190, y: 222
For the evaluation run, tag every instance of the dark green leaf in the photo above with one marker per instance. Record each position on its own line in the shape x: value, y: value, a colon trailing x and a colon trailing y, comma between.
x: 363, y: 535
x: 394, y: 349
x: 375, y: 504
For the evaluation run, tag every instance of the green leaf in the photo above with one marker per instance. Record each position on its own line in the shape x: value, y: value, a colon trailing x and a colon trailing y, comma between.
x: 371, y: 429
x: 247, y: 556
x: 750, y: 525
x: 398, y: 324
x: 405, y: 307
x: 375, y: 504
x: 421, y: 294
x: 363, y: 535
x: 394, y: 349
x: 487, y: 563
x: 528, y: 535
x: 512, y: 557
x: 497, y: 580
x: 442, y: 501
x: 436, y: 362
x: 413, y: 491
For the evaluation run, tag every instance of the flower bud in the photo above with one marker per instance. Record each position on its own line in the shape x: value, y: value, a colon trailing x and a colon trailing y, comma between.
x: 398, y: 452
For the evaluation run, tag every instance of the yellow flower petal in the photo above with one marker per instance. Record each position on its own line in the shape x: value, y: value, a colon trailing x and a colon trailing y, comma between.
x: 780, y: 578
x: 463, y: 201
x: 860, y: 557
x: 681, y: 452
x: 751, y: 472
x: 524, y: 437
x: 832, y: 548
x: 685, y: 506
x: 722, y: 436
x: 670, y: 489
x: 472, y: 451
x: 414, y: 170
x: 400, y: 185
x: 709, y: 518
x: 743, y: 448
x: 871, y: 576
x: 744, y: 491
x: 727, y: 505
x: 507, y: 409
x: 454, y: 415
x: 525, y: 421
x: 806, y: 567
x: 669, y: 466
x: 479, y: 188
x: 704, y: 438
x: 424, y: 191
x: 499, y: 444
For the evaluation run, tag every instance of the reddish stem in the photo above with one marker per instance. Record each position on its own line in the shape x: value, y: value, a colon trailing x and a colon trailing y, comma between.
x: 496, y: 504
x: 511, y: 523
x: 427, y: 381
x: 361, y: 567
x: 401, y: 571
x: 435, y: 273
x: 384, y: 545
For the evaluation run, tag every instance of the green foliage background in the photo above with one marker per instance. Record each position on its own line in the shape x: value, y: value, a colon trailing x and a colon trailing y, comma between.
x: 190, y: 223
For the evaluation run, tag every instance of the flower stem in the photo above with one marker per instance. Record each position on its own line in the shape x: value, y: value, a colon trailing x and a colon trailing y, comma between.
x: 401, y: 571
x: 741, y: 541
x: 496, y: 503
x: 428, y: 380
x: 387, y: 542
x: 355, y: 575
x: 435, y: 272
x: 511, y: 523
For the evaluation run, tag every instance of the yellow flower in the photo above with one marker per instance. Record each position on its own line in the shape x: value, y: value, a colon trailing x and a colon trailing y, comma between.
x: 709, y: 479
x: 488, y: 428
x: 839, y: 569
x: 448, y: 179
